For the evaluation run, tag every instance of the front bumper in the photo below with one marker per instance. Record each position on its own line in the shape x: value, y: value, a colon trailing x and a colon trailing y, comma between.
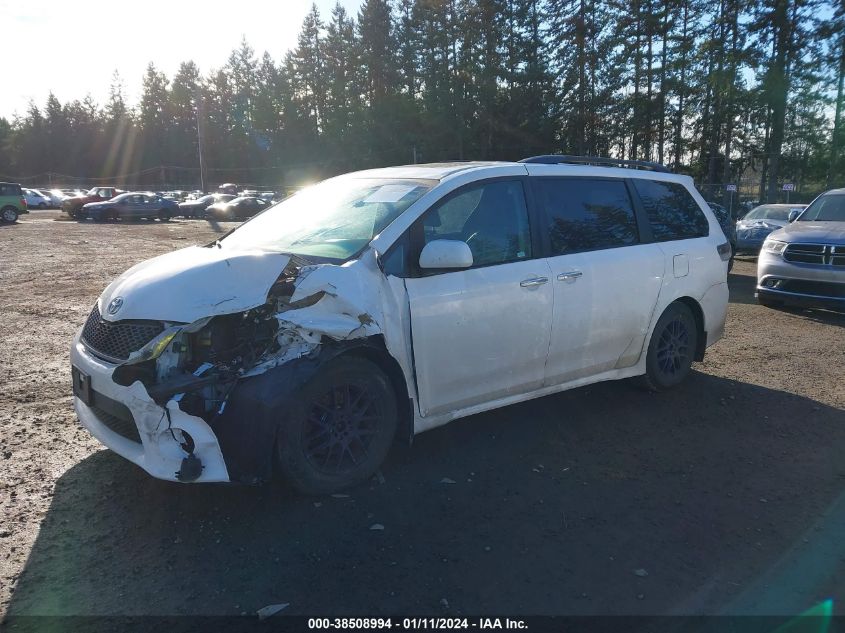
x: 800, y: 300
x: 806, y: 285
x: 159, y: 452
x: 749, y: 244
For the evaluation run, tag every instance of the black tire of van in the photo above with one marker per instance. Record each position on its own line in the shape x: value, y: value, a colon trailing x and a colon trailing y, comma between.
x: 339, y: 429
x: 671, y: 348
x: 9, y: 214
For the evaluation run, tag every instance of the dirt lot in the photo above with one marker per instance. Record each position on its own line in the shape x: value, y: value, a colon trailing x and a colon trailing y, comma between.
x: 728, y: 492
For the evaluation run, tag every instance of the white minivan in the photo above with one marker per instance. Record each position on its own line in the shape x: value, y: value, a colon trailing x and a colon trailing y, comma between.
x: 383, y: 303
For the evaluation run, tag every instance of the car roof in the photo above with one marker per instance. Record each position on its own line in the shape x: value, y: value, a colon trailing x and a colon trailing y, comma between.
x: 425, y: 171
x: 448, y: 170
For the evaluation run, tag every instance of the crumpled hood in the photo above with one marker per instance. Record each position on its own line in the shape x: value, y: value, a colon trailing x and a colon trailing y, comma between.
x: 193, y: 283
x: 821, y: 232
x: 771, y: 225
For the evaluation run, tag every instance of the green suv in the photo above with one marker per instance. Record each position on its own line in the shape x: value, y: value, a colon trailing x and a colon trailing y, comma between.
x: 12, y: 202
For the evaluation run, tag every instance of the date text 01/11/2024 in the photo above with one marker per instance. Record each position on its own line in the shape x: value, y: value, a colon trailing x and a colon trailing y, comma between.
x: 416, y: 623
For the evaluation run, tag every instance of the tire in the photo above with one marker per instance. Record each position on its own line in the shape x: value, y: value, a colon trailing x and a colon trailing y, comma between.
x: 163, y: 216
x: 9, y: 215
x: 42, y: 206
x: 329, y: 440
x: 671, y: 348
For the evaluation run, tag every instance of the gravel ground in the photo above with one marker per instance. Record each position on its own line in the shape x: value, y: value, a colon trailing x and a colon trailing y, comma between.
x: 724, y: 496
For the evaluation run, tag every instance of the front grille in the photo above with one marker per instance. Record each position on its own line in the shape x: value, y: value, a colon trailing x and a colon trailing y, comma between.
x: 815, y: 288
x: 123, y: 426
x: 805, y: 253
x: 822, y: 254
x: 116, y: 341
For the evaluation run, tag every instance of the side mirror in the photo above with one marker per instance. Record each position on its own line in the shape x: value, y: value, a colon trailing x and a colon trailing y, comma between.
x: 793, y: 215
x: 445, y: 254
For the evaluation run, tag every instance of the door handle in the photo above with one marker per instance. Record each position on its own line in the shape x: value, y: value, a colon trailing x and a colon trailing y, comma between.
x: 534, y: 282
x: 572, y: 275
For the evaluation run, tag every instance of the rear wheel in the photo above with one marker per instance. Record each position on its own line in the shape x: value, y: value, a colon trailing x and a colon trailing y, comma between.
x: 340, y: 429
x: 671, y: 349
x: 163, y: 215
x: 9, y: 214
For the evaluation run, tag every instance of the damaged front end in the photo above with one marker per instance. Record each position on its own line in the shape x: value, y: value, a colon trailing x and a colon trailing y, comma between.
x: 208, y: 396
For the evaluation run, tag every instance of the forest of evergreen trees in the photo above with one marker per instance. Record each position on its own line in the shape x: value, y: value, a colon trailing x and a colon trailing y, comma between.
x: 724, y: 90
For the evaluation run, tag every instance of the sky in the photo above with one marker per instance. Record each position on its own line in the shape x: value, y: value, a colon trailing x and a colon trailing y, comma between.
x: 72, y: 48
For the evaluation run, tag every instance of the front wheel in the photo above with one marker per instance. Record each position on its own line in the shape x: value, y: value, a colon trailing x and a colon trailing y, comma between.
x: 671, y: 349
x: 9, y: 214
x: 163, y: 216
x: 340, y: 428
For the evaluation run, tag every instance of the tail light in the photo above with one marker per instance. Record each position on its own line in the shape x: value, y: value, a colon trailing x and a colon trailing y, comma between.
x: 724, y: 251
x: 23, y: 202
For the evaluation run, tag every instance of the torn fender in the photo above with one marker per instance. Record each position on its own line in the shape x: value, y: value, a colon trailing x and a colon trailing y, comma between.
x: 192, y: 283
x: 353, y: 301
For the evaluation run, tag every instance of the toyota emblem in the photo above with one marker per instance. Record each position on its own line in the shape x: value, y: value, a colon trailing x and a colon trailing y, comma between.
x: 115, y: 305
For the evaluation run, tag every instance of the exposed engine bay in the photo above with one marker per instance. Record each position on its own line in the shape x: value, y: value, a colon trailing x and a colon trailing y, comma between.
x: 200, y: 362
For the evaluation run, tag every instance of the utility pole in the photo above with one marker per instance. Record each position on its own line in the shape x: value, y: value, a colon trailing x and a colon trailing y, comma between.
x: 198, y: 99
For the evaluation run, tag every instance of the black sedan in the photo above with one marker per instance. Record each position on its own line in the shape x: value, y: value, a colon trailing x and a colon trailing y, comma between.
x: 196, y: 208
x: 131, y: 206
x: 237, y: 209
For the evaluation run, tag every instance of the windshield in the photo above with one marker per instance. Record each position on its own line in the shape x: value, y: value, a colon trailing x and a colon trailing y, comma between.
x: 768, y: 212
x: 830, y: 208
x: 334, y: 219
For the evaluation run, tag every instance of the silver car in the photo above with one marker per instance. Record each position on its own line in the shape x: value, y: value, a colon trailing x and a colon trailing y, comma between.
x: 804, y: 263
x: 753, y: 228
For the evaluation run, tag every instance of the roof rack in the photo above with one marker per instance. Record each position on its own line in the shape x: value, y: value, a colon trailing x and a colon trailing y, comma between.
x: 557, y: 159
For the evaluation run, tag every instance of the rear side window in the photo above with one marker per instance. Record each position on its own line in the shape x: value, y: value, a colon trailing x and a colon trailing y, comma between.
x: 10, y: 190
x: 672, y: 212
x: 586, y: 214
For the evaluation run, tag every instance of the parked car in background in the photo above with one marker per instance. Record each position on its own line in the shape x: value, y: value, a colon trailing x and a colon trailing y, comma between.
x: 196, y: 208
x: 228, y: 187
x: 803, y: 264
x: 56, y: 196
x: 35, y: 199
x: 728, y: 225
x: 132, y: 206
x: 12, y: 202
x: 754, y: 227
x: 268, y: 196
x: 236, y: 209
x: 73, y: 205
x: 384, y: 303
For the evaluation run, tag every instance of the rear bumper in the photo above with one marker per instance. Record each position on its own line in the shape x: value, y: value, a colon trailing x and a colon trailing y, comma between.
x: 159, y: 452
